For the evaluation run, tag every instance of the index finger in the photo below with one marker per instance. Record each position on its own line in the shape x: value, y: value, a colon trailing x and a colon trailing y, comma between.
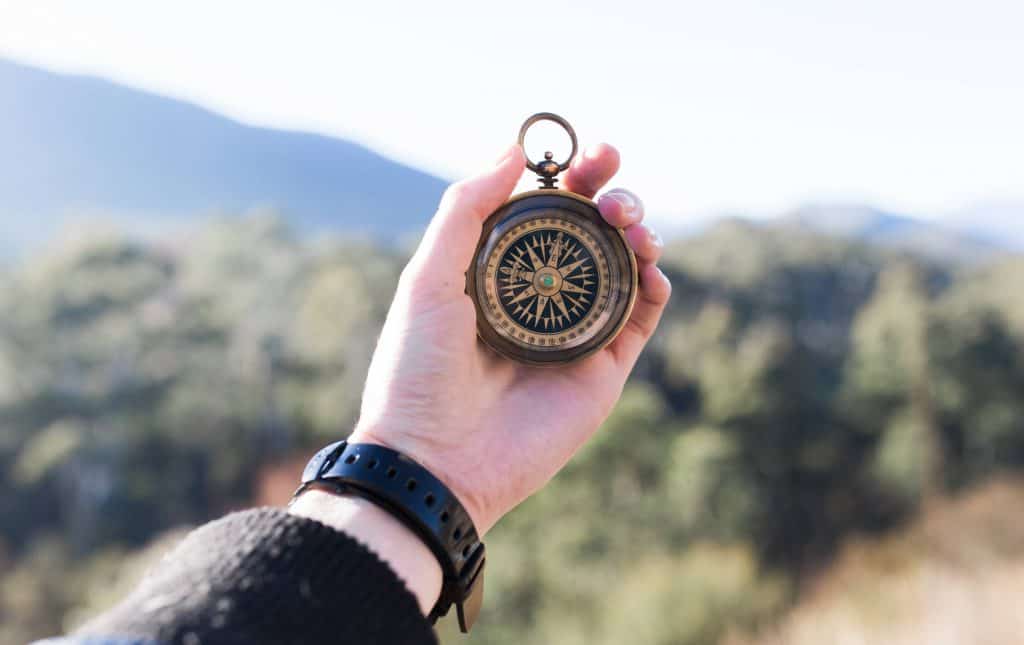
x: 592, y: 170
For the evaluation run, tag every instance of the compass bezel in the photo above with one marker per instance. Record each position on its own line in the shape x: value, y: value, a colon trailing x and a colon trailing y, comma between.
x: 613, y: 243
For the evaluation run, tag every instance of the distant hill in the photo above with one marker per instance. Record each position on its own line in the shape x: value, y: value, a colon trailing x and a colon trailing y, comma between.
x: 961, y: 241
x: 998, y: 222
x: 72, y: 144
x: 929, y: 239
x: 74, y: 147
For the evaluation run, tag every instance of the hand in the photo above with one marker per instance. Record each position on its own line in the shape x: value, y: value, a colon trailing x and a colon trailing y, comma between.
x: 493, y: 430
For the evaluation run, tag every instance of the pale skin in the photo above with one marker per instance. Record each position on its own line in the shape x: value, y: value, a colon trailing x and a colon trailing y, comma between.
x: 493, y: 430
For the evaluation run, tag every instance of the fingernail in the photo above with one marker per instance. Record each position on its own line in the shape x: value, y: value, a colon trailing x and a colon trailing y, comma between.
x: 625, y: 199
x: 655, y: 238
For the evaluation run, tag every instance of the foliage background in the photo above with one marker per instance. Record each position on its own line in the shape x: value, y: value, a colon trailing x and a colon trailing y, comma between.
x: 822, y: 431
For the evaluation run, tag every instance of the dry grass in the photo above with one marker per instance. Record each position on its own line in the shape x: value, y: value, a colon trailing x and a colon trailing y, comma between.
x: 954, y: 577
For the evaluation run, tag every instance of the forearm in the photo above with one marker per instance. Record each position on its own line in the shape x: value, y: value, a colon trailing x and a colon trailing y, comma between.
x: 270, y: 576
x: 379, y: 531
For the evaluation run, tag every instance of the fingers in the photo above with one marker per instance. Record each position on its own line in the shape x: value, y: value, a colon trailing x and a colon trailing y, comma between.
x: 655, y: 291
x: 624, y: 209
x: 621, y: 208
x: 645, y: 242
x: 591, y: 170
x: 447, y: 247
x: 477, y: 197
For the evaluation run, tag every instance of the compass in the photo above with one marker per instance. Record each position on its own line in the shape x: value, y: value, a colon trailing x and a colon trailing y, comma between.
x: 552, y: 281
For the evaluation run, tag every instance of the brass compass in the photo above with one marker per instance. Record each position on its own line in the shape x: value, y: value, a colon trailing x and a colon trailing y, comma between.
x: 552, y: 281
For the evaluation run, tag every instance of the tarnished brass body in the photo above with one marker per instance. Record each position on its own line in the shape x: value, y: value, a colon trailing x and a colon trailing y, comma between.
x: 551, y: 280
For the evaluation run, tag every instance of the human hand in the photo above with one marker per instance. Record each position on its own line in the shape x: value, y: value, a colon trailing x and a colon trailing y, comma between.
x: 494, y: 430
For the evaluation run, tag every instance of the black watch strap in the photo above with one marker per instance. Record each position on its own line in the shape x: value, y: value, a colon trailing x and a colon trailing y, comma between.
x: 421, y: 502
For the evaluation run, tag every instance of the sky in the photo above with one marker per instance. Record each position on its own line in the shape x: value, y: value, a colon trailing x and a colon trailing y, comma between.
x: 733, y: 106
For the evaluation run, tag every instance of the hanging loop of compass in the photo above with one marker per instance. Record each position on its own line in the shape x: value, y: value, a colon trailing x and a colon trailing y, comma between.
x: 551, y: 280
x: 548, y: 169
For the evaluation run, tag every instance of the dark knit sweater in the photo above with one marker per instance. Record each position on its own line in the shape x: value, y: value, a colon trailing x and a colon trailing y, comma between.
x: 264, y: 577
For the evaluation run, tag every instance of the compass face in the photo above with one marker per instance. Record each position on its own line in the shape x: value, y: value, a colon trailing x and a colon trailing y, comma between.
x: 551, y: 283
x: 547, y: 280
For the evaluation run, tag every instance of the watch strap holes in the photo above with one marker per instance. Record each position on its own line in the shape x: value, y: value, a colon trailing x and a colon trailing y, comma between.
x: 417, y: 499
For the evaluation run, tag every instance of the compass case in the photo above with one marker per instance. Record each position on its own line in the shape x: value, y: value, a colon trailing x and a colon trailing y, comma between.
x: 552, y: 281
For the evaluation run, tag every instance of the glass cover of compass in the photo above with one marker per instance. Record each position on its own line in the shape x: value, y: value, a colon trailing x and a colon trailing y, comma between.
x: 551, y: 280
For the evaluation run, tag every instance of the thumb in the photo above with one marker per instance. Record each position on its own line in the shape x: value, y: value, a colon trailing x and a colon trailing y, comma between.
x: 451, y: 238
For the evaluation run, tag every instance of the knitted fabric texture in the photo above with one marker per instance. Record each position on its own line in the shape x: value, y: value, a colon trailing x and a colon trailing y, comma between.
x: 265, y: 576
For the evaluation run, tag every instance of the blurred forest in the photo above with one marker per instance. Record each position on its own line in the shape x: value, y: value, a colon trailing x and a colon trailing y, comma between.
x: 805, y: 399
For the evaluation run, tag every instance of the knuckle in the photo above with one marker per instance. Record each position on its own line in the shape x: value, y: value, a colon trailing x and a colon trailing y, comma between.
x: 456, y: 194
x: 461, y: 198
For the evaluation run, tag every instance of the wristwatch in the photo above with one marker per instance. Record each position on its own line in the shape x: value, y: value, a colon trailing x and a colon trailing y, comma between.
x: 419, y: 500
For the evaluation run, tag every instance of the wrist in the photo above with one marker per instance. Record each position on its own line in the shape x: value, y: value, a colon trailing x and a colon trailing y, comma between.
x: 444, y: 466
x: 395, y: 544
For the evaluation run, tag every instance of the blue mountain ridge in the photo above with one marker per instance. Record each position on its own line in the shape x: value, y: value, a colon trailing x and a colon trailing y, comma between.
x: 74, y: 147
x: 74, y: 144
x: 937, y: 240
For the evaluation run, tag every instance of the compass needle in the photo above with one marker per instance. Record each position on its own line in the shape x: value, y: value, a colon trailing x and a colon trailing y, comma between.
x: 528, y: 292
x: 560, y: 303
x: 571, y: 288
x: 542, y: 302
x: 537, y: 264
x: 573, y: 302
x: 572, y: 266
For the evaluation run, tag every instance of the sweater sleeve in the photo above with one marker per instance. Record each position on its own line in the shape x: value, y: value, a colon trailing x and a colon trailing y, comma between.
x: 265, y: 576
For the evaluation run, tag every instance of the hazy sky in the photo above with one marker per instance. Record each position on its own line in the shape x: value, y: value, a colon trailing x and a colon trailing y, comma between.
x: 716, y: 106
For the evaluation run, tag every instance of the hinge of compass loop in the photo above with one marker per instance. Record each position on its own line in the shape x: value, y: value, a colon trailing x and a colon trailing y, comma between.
x: 548, y: 171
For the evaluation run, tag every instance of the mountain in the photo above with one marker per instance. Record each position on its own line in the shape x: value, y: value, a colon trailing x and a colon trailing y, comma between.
x: 75, y: 147
x: 73, y: 144
x: 930, y: 239
x: 999, y: 222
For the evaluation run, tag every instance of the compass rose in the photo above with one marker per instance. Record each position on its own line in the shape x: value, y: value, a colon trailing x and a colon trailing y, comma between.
x: 547, y: 281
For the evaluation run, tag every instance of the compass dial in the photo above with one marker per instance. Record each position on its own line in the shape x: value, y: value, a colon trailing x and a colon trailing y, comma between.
x: 551, y: 284
x: 547, y: 279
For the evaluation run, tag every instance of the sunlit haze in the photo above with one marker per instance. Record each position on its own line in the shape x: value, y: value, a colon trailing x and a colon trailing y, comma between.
x: 717, y: 107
